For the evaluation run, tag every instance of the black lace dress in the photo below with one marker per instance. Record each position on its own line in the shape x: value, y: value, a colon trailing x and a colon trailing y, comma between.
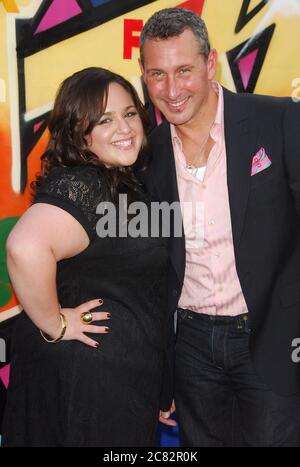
x: 70, y: 394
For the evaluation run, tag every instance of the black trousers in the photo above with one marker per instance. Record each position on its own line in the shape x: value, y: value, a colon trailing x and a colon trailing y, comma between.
x: 219, y: 397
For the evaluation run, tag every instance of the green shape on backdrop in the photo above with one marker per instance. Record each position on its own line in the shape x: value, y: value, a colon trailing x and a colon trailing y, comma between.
x: 6, y: 226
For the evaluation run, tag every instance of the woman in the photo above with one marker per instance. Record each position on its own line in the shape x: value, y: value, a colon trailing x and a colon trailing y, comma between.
x: 74, y: 383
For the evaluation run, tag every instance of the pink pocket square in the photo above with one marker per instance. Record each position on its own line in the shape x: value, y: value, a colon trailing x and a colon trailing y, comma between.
x: 260, y: 162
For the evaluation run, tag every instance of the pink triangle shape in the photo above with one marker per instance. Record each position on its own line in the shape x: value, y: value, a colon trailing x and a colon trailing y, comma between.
x: 37, y: 126
x: 58, y: 13
x: 158, y: 116
x: 4, y: 375
x: 246, y: 65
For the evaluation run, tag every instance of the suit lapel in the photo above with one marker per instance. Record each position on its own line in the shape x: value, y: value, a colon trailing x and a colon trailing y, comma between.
x: 241, y: 145
x: 163, y: 171
x: 164, y: 179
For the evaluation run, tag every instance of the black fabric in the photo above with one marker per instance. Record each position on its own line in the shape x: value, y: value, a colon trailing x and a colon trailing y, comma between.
x: 77, y: 191
x: 69, y: 394
x: 216, y: 382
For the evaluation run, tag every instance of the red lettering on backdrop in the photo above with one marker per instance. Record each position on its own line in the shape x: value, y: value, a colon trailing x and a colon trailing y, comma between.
x: 195, y: 5
x: 136, y: 25
x: 130, y: 41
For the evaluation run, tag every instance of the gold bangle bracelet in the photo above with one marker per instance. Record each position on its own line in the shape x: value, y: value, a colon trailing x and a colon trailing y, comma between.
x: 63, y: 330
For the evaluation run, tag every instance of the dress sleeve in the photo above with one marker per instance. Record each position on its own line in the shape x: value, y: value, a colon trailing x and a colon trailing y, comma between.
x: 77, y: 190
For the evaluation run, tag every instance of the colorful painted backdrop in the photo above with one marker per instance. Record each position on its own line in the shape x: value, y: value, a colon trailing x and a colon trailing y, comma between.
x: 43, y: 41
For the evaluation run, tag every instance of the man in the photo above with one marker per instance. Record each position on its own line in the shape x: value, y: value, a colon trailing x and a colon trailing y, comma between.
x: 238, y: 285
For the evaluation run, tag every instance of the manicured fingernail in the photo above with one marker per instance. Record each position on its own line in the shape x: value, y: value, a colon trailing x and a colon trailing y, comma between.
x: 108, y: 315
x: 101, y: 301
x: 97, y: 345
x: 106, y: 329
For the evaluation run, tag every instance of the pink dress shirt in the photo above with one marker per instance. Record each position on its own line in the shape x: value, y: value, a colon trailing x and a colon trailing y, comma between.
x: 211, y: 284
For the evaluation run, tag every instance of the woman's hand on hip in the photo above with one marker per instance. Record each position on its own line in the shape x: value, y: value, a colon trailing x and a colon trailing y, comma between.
x: 80, y: 320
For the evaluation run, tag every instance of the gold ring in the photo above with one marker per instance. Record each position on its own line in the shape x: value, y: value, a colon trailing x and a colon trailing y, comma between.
x: 86, y: 317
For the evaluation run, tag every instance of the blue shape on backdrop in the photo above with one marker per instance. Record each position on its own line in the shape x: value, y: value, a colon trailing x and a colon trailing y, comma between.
x: 99, y: 2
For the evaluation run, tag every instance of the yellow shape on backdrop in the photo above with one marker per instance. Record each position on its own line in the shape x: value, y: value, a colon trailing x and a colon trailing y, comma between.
x: 10, y: 6
x: 280, y: 66
x: 23, y: 2
x: 99, y: 46
x: 2, y: 91
x: 252, y: 5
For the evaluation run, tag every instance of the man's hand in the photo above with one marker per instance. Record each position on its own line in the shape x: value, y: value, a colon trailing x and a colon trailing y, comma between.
x: 164, y: 417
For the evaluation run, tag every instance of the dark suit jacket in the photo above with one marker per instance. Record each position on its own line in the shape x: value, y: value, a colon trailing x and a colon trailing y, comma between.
x: 265, y: 210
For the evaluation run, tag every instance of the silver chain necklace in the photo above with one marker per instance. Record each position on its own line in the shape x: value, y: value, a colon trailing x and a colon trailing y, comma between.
x: 191, y: 165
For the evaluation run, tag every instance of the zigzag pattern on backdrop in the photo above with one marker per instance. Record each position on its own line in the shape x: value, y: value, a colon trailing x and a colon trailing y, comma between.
x: 246, y: 60
x: 56, y: 21
x: 245, y: 15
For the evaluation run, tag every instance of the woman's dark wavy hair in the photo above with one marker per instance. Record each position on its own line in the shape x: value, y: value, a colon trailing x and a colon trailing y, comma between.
x: 79, y: 104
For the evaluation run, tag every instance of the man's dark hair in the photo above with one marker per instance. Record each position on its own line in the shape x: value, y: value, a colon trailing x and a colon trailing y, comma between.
x: 171, y: 22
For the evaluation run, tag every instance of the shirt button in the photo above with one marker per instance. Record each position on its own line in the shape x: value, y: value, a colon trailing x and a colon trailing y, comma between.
x: 217, y: 255
x: 220, y: 289
x: 203, y: 186
x: 211, y: 222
